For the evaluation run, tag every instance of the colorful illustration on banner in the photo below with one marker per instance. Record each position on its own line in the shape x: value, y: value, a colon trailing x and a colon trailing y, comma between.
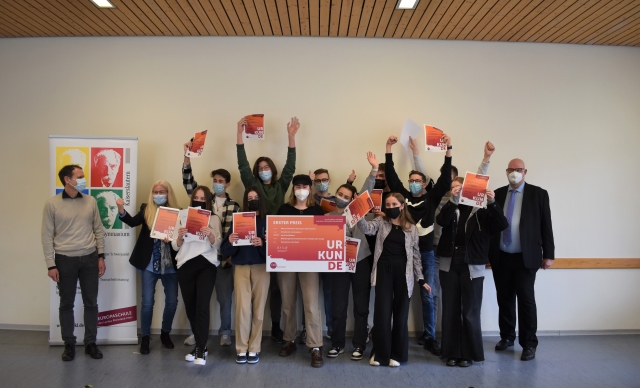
x: 72, y: 155
x: 106, y: 167
x: 107, y: 207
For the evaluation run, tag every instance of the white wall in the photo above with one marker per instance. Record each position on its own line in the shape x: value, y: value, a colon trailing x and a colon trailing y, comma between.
x: 571, y: 112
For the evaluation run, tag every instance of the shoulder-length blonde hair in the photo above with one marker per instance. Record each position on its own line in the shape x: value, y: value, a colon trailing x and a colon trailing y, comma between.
x: 405, y: 219
x: 293, y: 200
x: 152, y: 208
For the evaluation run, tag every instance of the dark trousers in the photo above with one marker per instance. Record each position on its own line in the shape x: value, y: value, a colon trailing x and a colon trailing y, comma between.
x: 73, y: 269
x: 391, y: 341
x: 461, y: 304
x: 197, y: 278
x: 275, y: 303
x: 340, y: 284
x: 513, y: 280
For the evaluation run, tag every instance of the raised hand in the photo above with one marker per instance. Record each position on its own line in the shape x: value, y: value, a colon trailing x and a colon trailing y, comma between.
x: 312, y: 175
x: 446, y: 139
x: 293, y: 126
x: 352, y: 176
x: 241, y: 124
x: 392, y: 140
x: 491, y: 196
x: 120, y: 204
x: 413, y: 144
x: 373, y: 161
x: 488, y: 150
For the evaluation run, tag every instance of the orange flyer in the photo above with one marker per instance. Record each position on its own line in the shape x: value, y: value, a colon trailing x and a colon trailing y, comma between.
x: 197, y: 218
x: 353, y: 246
x: 376, y: 197
x: 197, y: 145
x: 165, y: 223
x: 474, y: 190
x: 306, y: 244
x: 358, y: 208
x: 254, y: 129
x: 328, y: 206
x: 433, y: 138
x: 244, y: 225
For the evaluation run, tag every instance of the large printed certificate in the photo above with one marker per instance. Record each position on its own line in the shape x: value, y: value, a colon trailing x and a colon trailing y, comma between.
x: 165, y: 223
x: 244, y: 225
x: 474, y: 190
x: 255, y: 127
x: 376, y: 197
x: 306, y: 244
x: 353, y: 246
x: 433, y: 137
x: 197, y: 218
x: 358, y: 208
x: 327, y: 205
x: 197, y: 145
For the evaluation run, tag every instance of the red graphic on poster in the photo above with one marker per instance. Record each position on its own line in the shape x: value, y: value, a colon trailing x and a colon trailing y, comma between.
x: 117, y: 316
x: 107, y: 167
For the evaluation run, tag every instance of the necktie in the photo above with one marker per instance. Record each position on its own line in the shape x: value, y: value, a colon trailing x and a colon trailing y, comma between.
x: 506, y: 235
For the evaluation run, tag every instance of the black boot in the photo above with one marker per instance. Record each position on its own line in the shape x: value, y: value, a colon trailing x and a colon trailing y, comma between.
x: 276, y: 332
x: 144, y: 345
x: 166, y: 340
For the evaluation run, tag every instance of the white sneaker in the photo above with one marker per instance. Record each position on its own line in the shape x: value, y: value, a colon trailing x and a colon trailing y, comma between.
x: 393, y: 363
x: 201, y: 357
x: 225, y: 340
x: 190, y: 340
x: 192, y: 356
x: 373, y: 361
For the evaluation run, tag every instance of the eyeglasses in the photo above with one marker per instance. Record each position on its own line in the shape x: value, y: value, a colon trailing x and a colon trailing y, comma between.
x: 321, y: 180
x: 265, y: 168
x: 510, y: 170
x: 418, y: 181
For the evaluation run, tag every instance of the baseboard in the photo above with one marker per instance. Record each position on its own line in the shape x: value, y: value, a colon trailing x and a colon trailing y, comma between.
x: 13, y: 326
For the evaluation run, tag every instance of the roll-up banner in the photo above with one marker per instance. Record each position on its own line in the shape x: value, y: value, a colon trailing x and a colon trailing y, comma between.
x: 110, y: 166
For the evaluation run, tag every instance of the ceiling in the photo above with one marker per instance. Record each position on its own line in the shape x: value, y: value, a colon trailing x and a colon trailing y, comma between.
x: 601, y: 22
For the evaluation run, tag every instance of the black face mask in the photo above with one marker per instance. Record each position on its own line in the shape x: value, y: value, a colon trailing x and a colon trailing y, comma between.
x: 202, y: 205
x: 380, y: 184
x: 392, y: 212
x: 254, y: 205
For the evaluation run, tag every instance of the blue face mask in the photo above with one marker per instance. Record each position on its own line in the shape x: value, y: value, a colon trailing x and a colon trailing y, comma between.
x: 415, y: 188
x: 160, y: 199
x: 81, y: 184
x: 218, y: 188
x: 341, y: 203
x: 265, y: 175
x: 322, y: 186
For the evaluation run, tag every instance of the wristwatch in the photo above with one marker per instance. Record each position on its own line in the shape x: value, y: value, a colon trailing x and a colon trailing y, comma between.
x: 450, y: 147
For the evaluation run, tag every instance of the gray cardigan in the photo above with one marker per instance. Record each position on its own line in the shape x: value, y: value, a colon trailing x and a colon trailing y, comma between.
x: 414, y: 262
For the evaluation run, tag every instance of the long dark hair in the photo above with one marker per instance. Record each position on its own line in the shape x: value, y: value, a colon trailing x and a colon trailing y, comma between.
x: 208, y: 197
x: 262, y: 212
x: 404, y: 219
x: 274, y: 170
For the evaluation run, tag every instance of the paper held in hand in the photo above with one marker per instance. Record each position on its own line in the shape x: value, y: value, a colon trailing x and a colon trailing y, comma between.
x: 433, y: 138
x: 376, y: 197
x: 196, y: 219
x: 358, y: 208
x: 254, y: 129
x: 197, y: 145
x: 328, y: 206
x: 474, y: 190
x: 409, y: 129
x: 244, y: 225
x: 352, y: 246
x: 164, y: 225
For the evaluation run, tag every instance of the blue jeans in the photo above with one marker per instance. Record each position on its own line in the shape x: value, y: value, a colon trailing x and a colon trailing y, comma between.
x: 170, y: 284
x: 224, y: 296
x: 429, y: 300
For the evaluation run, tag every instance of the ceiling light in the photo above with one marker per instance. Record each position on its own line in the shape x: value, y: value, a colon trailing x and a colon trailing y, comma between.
x: 407, y: 4
x: 103, y: 3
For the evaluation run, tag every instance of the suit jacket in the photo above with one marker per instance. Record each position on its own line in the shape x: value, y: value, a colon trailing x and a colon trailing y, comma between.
x: 536, y: 232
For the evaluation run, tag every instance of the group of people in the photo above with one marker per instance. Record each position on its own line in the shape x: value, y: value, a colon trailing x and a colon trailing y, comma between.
x: 423, y: 234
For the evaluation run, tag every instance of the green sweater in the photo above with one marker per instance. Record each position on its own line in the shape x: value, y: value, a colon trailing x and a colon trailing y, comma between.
x: 274, y: 193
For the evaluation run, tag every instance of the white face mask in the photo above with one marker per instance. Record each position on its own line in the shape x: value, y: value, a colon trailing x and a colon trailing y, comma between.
x: 302, y: 194
x: 515, y: 177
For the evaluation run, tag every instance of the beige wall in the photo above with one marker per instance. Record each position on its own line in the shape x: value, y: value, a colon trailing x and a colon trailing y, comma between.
x: 571, y: 112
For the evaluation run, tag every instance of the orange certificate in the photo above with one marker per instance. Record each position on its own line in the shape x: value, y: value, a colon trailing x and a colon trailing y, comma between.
x: 197, y: 218
x: 327, y: 205
x: 244, y: 225
x: 165, y: 223
x: 353, y: 246
x: 474, y: 190
x: 254, y: 129
x: 197, y: 145
x: 306, y: 244
x: 376, y: 197
x: 358, y: 208
x: 433, y: 137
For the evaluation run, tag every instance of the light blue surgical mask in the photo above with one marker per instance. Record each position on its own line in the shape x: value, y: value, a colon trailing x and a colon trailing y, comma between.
x: 218, y: 188
x: 160, y: 199
x: 265, y: 175
x: 81, y: 184
x: 341, y: 203
x: 322, y: 186
x: 415, y: 188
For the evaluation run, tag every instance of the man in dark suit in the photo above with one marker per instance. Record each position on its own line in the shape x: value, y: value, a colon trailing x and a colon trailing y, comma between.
x: 516, y: 255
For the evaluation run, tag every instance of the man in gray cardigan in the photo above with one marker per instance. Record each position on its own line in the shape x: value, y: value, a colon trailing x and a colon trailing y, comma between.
x: 73, y: 244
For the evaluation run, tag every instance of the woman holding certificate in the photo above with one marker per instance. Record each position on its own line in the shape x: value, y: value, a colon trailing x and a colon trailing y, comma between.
x: 251, y: 278
x: 396, y: 262
x: 155, y: 260
x: 301, y: 203
x: 464, y: 252
x: 197, y: 261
